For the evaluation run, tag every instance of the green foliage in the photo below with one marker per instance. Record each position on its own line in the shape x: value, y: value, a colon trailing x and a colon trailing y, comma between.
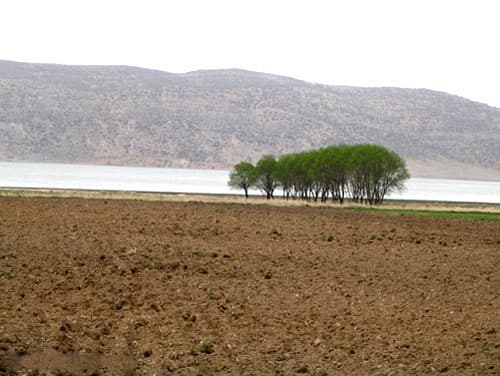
x: 374, y: 172
x: 363, y: 173
x: 206, y: 347
x: 265, y: 178
x: 242, y: 176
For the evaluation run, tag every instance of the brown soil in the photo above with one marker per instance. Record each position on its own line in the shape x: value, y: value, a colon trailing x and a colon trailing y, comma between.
x: 129, y: 287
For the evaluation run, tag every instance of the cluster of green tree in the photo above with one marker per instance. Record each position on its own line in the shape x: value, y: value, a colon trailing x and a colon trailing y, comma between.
x: 362, y: 173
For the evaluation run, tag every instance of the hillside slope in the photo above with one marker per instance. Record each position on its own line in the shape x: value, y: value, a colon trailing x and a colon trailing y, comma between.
x: 132, y: 116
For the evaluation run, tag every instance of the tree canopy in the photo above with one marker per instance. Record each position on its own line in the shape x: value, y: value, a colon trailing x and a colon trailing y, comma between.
x: 362, y: 173
x: 265, y: 175
x: 242, y: 176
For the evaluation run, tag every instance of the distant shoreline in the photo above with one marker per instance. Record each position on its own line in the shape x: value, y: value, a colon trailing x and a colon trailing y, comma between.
x: 487, y: 175
x: 388, y: 205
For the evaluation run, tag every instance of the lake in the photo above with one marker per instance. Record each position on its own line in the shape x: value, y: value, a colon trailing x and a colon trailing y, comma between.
x: 145, y: 179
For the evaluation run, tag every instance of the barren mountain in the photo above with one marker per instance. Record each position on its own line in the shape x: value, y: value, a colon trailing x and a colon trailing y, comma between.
x: 212, y: 119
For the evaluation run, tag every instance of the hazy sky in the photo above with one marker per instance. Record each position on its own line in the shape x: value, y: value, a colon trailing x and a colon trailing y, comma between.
x: 445, y: 45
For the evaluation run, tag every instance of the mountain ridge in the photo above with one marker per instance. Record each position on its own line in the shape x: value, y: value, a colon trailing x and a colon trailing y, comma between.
x: 126, y: 115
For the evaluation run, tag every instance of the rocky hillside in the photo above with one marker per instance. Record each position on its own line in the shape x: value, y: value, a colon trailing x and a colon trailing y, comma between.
x: 212, y: 119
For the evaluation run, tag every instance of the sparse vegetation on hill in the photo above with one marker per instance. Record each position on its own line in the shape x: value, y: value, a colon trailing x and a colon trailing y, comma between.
x: 131, y: 116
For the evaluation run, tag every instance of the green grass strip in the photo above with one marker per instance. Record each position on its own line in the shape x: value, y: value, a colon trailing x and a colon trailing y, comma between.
x: 483, y: 216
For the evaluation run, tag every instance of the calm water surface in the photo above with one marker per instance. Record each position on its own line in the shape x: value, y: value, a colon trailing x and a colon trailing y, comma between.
x: 141, y: 179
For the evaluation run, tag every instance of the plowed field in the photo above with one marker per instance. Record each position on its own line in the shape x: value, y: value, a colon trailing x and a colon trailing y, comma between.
x: 146, y: 288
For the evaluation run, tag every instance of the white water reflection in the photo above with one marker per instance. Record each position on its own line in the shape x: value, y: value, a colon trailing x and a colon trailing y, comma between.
x: 142, y: 179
